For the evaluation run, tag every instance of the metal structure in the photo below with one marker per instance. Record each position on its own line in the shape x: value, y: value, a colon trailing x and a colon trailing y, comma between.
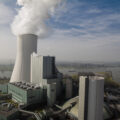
x: 26, y: 45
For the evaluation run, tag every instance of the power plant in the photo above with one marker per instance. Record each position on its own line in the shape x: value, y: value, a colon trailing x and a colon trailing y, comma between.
x: 35, y: 87
x: 36, y: 80
x: 34, y: 76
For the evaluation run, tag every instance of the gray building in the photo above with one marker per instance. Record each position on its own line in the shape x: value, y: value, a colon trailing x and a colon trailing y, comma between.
x: 44, y: 72
x: 91, y: 98
x: 42, y: 67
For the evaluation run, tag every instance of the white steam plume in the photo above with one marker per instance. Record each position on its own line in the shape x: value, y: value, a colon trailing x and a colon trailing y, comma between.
x: 32, y: 16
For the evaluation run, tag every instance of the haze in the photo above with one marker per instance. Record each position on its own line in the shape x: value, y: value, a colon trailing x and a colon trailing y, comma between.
x: 81, y: 31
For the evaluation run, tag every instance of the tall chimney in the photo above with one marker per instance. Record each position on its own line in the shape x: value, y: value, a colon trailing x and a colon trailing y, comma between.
x: 26, y: 45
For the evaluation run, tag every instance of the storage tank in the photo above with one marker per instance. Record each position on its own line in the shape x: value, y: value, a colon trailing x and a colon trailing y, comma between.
x: 26, y: 45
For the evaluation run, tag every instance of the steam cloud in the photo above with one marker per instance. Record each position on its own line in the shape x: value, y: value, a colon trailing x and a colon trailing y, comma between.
x: 32, y: 16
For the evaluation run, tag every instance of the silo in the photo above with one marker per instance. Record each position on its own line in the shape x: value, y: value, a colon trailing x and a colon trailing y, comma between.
x: 26, y: 45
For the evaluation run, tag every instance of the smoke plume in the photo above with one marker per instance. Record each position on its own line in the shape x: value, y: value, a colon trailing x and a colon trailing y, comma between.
x: 32, y: 16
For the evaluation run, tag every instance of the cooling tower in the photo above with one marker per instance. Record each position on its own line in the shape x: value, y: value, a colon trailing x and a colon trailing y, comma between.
x: 26, y: 45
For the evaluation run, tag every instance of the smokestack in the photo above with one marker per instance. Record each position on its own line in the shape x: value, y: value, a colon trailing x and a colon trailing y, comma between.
x: 26, y: 45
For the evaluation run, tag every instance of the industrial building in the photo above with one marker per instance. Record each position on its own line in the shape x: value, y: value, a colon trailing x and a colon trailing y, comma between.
x: 42, y: 67
x: 45, y: 65
x: 25, y: 93
x: 35, y: 79
x: 45, y: 83
x: 33, y: 75
x: 91, y: 97
x: 44, y: 72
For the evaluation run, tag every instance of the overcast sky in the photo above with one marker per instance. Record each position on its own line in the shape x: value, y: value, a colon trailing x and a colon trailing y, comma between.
x: 83, y: 30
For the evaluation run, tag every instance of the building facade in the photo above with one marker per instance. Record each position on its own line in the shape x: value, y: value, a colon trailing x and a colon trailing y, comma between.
x: 91, y: 98
x: 44, y: 72
x: 27, y: 94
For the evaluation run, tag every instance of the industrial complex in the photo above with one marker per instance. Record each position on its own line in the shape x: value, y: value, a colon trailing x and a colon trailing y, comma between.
x: 35, y: 78
x: 72, y: 86
x: 38, y: 91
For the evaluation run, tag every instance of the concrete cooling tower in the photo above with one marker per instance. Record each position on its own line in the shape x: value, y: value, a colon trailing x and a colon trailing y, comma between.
x: 26, y: 45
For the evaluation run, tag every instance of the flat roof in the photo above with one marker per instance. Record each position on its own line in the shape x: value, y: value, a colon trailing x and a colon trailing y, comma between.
x: 25, y: 86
